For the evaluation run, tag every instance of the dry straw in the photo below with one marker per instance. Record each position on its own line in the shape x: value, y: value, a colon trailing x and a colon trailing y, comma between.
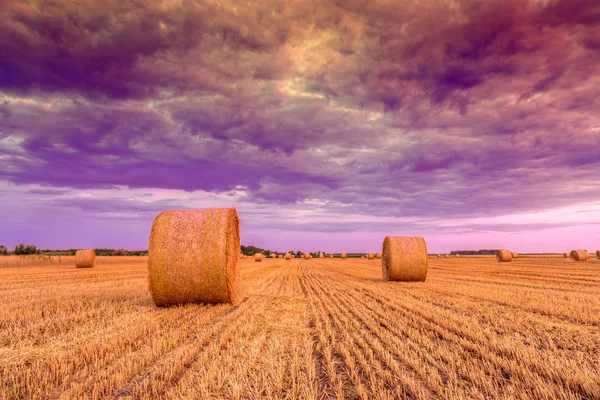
x: 193, y: 256
x: 343, y: 256
x: 258, y: 257
x: 515, y: 256
x: 437, y: 255
x: 503, y: 256
x: 404, y: 259
x: 598, y: 254
x: 378, y: 256
x: 288, y: 256
x: 445, y: 255
x: 370, y: 256
x: 306, y: 256
x: 321, y: 255
x: 85, y: 258
x: 566, y: 255
x: 579, y: 255
x: 457, y: 255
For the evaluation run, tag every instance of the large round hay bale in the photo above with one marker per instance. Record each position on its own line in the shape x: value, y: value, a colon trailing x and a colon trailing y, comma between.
x: 288, y: 256
x: 503, y: 256
x: 515, y: 255
x: 457, y: 255
x: 579, y: 255
x: 331, y: 256
x: 306, y: 256
x: 437, y: 256
x: 258, y: 257
x: 321, y: 255
x: 370, y: 256
x: 85, y: 258
x: 343, y: 256
x: 193, y: 256
x: 598, y: 254
x: 445, y: 255
x: 566, y: 255
x: 404, y: 259
x: 378, y: 256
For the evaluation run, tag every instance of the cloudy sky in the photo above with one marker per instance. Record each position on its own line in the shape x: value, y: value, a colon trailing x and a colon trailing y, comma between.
x: 327, y: 124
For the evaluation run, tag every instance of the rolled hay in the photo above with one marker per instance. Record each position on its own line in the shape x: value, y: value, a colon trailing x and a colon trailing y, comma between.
x: 258, y: 257
x: 192, y: 256
x: 273, y: 255
x: 306, y: 256
x: 378, y: 256
x: 445, y: 255
x: 85, y: 258
x: 457, y: 255
x: 437, y: 256
x: 331, y: 256
x: 566, y: 255
x: 343, y: 256
x: 281, y: 256
x: 404, y: 259
x: 515, y: 256
x: 579, y: 255
x: 370, y: 256
x: 288, y: 256
x: 321, y: 255
x: 598, y: 254
x: 503, y: 256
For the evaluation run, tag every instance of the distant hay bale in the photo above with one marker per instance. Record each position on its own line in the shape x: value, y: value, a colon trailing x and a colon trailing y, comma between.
x: 457, y: 255
x: 503, y: 256
x: 306, y: 256
x: 193, y: 256
x: 321, y: 255
x: 598, y: 254
x: 515, y: 256
x: 378, y: 256
x: 288, y: 256
x: 273, y: 255
x: 579, y: 255
x: 343, y: 256
x: 281, y: 256
x: 331, y: 256
x: 404, y: 259
x: 85, y: 258
x: 566, y: 255
x: 370, y: 256
x: 437, y: 255
x: 258, y: 257
x: 445, y: 255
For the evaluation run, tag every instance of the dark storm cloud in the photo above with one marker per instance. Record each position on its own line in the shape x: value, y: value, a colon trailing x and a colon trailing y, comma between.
x: 432, y: 109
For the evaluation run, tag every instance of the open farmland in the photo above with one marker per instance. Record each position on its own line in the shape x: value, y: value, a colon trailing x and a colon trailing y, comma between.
x: 319, y: 328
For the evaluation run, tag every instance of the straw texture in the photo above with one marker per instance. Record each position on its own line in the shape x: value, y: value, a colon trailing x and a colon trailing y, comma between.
x: 598, y: 254
x: 503, y: 256
x: 404, y: 259
x: 378, y: 256
x: 370, y: 256
x: 306, y: 256
x: 85, y: 258
x: 258, y: 257
x: 193, y: 256
x: 343, y: 256
x: 566, y: 255
x: 580, y: 255
x: 515, y: 256
x: 288, y: 256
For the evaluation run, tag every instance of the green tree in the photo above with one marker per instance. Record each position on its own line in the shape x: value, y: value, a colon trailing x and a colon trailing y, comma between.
x: 119, y: 252
x: 19, y: 249
x: 3, y: 251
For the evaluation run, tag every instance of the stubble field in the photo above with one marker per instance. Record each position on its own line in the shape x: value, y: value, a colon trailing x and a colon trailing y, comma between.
x: 307, y: 329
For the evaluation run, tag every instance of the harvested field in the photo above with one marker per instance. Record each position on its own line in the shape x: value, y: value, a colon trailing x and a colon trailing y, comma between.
x: 319, y: 328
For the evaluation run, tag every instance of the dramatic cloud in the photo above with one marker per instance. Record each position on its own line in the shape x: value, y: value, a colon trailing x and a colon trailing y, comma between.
x: 385, y: 116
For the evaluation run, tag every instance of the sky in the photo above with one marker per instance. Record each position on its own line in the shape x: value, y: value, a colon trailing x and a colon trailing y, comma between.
x: 328, y: 125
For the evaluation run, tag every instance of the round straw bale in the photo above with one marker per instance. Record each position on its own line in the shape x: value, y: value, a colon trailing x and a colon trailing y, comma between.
x: 288, y: 256
x: 321, y: 255
x: 503, y: 256
x: 579, y: 255
x: 437, y: 255
x: 343, y: 256
x: 192, y: 256
x: 378, y: 256
x: 306, y: 256
x: 281, y: 256
x: 457, y: 255
x: 258, y: 257
x: 598, y: 254
x: 85, y: 258
x: 404, y: 259
x: 445, y: 255
x: 515, y: 256
x: 370, y: 256
x: 566, y: 255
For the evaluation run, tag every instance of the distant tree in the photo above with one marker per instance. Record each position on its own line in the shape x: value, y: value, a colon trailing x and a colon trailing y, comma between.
x: 19, y: 249
x: 119, y: 252
x: 3, y: 251
x: 31, y: 249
